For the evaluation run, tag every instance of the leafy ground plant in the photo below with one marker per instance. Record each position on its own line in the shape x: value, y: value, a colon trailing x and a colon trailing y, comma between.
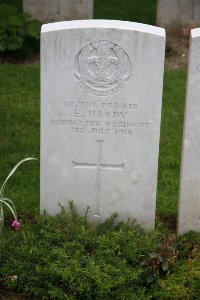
x: 17, y: 30
x: 66, y: 257
x: 183, y: 282
x: 8, y: 202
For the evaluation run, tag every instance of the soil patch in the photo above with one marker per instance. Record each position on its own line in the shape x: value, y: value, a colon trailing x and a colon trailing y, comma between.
x: 177, y: 49
x: 169, y: 221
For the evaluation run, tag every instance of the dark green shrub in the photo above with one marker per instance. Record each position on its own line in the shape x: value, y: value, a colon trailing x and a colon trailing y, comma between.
x: 17, y: 30
x: 16, y: 3
x: 66, y: 257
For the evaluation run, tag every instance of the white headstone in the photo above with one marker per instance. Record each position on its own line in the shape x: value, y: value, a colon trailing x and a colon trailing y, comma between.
x: 101, y: 94
x: 189, y: 202
x: 59, y: 10
x: 178, y: 13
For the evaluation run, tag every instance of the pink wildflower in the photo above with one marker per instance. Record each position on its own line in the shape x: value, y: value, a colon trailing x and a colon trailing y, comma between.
x: 13, y: 278
x: 15, y: 224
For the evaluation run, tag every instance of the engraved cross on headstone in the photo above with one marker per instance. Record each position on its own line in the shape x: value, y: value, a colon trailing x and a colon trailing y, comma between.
x: 98, y: 166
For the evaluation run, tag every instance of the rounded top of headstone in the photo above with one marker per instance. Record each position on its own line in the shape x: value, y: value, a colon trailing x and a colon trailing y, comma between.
x: 107, y: 24
x: 195, y: 32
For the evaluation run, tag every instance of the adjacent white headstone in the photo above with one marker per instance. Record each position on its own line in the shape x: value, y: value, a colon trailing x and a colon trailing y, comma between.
x: 101, y: 93
x: 174, y: 14
x: 59, y: 10
x: 189, y: 202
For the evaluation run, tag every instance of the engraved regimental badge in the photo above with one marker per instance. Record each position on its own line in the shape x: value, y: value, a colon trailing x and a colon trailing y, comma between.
x: 102, y: 68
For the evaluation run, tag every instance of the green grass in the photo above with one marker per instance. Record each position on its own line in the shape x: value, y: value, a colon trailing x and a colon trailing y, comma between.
x: 171, y: 141
x: 19, y: 127
x: 128, y: 10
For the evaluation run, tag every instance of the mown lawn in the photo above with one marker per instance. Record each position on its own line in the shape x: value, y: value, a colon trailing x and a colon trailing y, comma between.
x: 129, y: 10
x: 19, y: 127
x: 171, y: 141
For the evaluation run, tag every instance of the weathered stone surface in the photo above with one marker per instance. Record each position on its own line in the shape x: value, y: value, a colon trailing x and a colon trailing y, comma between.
x: 177, y: 14
x: 101, y: 93
x: 189, y: 202
x: 59, y: 10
